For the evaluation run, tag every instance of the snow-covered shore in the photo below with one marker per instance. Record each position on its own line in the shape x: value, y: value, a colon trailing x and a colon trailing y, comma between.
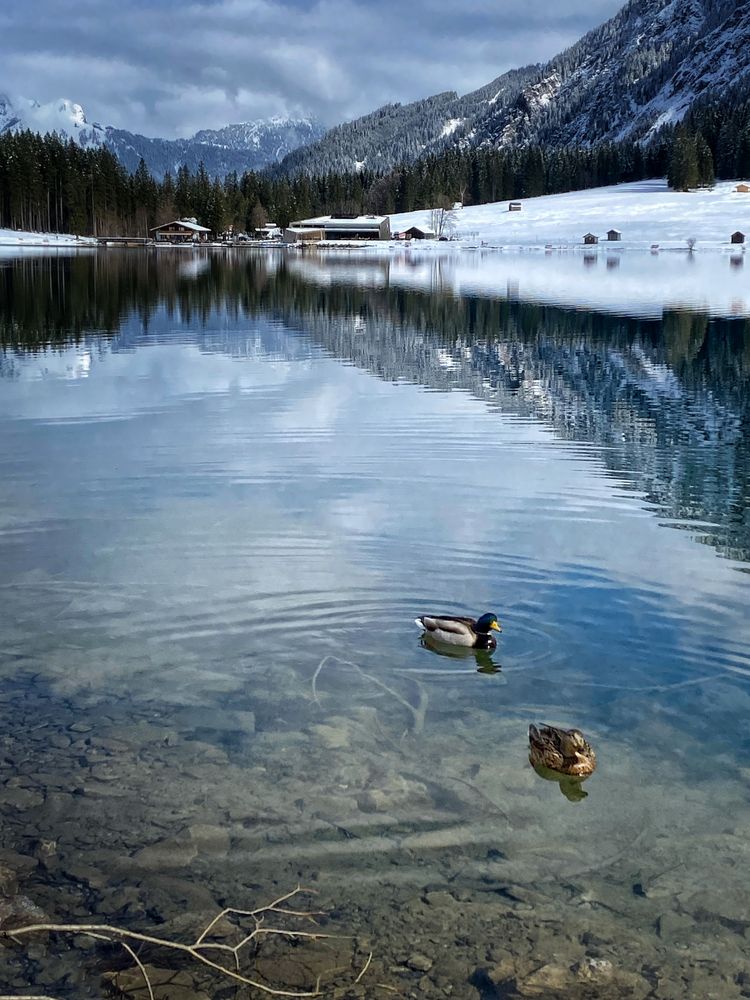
x: 19, y: 238
x: 647, y: 213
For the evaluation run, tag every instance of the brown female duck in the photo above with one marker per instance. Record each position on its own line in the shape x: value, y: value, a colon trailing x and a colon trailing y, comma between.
x: 562, y: 750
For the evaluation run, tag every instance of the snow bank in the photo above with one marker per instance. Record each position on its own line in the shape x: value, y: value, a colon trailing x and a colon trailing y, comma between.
x: 18, y: 238
x: 646, y: 213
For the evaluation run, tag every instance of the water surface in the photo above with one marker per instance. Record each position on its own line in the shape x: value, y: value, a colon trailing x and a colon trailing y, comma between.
x: 227, y: 486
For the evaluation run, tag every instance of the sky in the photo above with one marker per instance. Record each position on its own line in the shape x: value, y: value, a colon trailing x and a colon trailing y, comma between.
x: 170, y: 67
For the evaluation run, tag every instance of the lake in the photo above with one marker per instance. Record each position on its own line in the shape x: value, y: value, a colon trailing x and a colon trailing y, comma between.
x: 229, y: 482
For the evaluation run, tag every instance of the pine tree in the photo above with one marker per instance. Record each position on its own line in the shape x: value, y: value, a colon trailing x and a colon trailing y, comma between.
x: 705, y: 162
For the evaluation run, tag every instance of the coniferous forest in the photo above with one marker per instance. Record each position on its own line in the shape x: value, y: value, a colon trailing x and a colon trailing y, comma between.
x: 54, y: 186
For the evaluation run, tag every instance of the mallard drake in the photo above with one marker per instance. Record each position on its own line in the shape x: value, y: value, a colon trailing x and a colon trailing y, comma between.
x: 562, y: 750
x: 472, y: 633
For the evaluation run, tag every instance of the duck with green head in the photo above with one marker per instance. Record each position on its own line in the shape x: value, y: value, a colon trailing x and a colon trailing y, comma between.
x: 454, y: 630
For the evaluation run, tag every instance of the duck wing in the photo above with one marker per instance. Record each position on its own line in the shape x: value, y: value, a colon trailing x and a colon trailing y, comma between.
x: 447, y: 623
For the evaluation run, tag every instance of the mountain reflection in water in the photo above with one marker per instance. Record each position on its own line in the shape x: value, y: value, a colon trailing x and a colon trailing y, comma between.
x: 665, y: 401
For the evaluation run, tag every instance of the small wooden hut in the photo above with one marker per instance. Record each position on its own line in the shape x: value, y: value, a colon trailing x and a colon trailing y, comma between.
x: 419, y: 233
x: 589, y: 239
x: 743, y: 188
x: 614, y: 235
x: 514, y: 206
x: 737, y: 237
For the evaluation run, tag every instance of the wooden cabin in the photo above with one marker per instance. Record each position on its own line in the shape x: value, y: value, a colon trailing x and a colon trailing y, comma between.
x: 614, y: 235
x: 419, y: 233
x: 737, y: 237
x: 514, y: 206
x: 743, y: 188
x: 181, y: 231
x: 589, y: 239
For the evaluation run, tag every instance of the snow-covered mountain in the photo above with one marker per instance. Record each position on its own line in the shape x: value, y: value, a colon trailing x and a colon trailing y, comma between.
x: 245, y: 146
x: 64, y: 117
x: 642, y: 69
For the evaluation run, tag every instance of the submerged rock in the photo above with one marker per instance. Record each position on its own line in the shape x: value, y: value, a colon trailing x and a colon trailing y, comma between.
x: 166, y: 984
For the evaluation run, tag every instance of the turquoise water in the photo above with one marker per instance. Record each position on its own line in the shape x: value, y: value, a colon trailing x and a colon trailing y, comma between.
x: 228, y: 484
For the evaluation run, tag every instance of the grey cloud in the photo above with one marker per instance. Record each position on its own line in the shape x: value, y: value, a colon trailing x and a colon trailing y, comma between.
x: 168, y: 68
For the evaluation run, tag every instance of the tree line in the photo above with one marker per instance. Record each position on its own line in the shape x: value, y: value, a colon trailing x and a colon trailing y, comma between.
x: 47, y: 184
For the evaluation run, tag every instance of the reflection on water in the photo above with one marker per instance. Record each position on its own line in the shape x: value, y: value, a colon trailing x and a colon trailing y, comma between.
x: 570, y: 787
x: 226, y: 491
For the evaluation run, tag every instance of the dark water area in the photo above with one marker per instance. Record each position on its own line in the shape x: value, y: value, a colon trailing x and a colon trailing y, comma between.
x: 228, y: 484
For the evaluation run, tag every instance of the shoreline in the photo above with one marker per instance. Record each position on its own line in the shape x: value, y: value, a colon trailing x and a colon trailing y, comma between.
x: 647, y: 215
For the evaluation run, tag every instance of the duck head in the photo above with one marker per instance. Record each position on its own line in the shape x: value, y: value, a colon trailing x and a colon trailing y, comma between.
x: 487, y: 623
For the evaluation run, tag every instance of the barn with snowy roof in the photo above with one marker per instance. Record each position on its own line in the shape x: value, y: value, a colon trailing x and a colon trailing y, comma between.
x: 358, y: 227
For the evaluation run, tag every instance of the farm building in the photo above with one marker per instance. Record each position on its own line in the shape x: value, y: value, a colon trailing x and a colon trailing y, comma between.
x: 419, y: 233
x: 302, y: 234
x: 514, y: 206
x: 590, y: 239
x: 361, y: 227
x: 268, y: 232
x: 614, y: 235
x: 743, y: 188
x: 738, y: 237
x: 181, y: 231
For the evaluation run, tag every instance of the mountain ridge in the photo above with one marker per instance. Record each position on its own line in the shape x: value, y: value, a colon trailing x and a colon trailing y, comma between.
x: 241, y: 146
x: 642, y: 69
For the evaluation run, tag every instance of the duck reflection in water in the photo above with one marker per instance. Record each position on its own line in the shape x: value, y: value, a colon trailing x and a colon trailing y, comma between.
x: 482, y: 657
x: 569, y: 786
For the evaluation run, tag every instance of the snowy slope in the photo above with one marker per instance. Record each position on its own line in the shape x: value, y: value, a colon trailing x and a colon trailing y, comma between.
x: 718, y: 62
x: 646, y: 212
x: 642, y: 68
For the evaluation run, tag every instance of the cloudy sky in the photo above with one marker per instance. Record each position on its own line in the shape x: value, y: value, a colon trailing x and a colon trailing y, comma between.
x: 170, y: 67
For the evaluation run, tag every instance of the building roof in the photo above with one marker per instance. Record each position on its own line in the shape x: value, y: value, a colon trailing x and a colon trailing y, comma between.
x: 190, y: 224
x: 303, y: 229
x: 421, y: 229
x: 329, y: 222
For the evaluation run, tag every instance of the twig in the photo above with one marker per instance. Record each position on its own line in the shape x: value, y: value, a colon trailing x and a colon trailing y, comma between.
x: 315, y: 679
x: 417, y: 711
x: 365, y: 967
x: 197, y: 949
x: 107, y: 930
x: 140, y: 965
